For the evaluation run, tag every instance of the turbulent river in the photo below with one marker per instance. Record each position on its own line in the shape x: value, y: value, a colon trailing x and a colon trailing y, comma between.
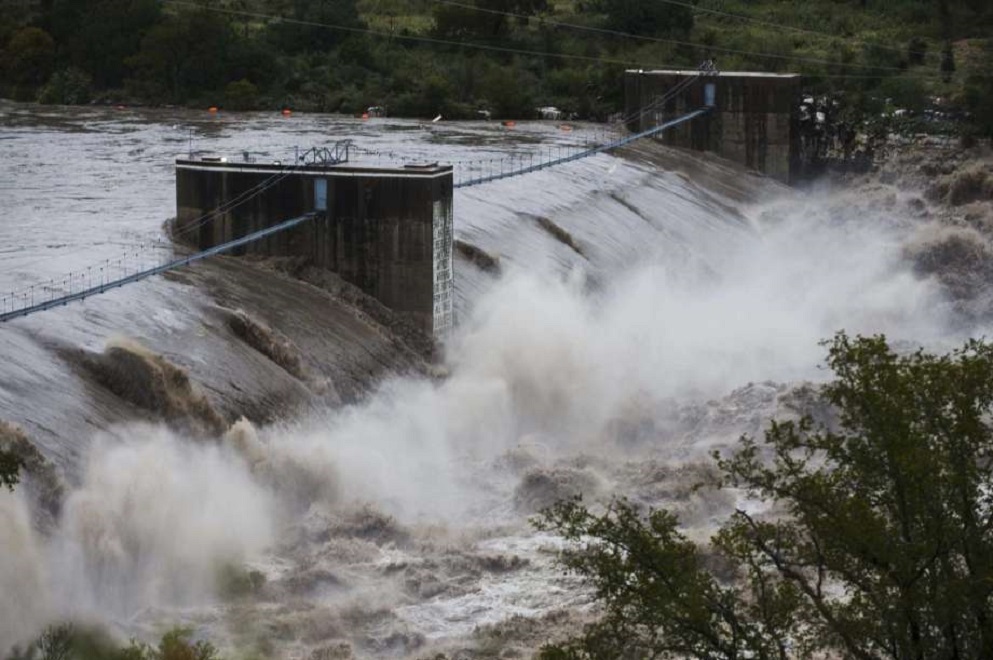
x: 253, y: 450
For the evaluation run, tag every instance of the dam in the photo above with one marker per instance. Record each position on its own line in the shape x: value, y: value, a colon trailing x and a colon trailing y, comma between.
x: 409, y: 498
x: 388, y: 231
x: 377, y: 251
x: 754, y: 121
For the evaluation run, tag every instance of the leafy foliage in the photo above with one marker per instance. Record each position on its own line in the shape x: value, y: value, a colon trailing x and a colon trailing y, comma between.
x: 241, y: 95
x: 27, y: 59
x: 176, y: 645
x: 315, y: 55
x: 71, y: 86
x: 884, y: 548
x: 659, y: 597
x: 646, y: 18
x: 97, y: 36
x: 481, y: 19
x: 182, y: 55
x: 304, y: 33
x: 68, y: 641
x: 979, y: 91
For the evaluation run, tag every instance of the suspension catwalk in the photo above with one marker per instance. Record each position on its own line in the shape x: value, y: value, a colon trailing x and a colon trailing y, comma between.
x: 24, y: 303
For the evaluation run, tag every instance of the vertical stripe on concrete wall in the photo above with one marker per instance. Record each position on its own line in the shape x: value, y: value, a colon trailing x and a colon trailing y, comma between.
x: 443, y: 272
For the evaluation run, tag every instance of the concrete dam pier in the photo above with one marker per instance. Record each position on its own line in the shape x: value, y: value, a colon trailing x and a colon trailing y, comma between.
x: 386, y: 230
x: 389, y: 231
x: 754, y: 121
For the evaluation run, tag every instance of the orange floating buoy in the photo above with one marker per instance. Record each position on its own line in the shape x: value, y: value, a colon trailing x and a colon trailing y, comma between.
x: 212, y: 109
x: 510, y: 123
x: 287, y: 112
x: 365, y: 115
x: 566, y: 127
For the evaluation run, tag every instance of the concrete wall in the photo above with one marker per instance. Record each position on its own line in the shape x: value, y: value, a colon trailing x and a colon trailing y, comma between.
x: 754, y: 122
x: 388, y: 231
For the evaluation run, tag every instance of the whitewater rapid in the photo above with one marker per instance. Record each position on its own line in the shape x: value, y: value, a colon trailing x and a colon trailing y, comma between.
x: 619, y: 318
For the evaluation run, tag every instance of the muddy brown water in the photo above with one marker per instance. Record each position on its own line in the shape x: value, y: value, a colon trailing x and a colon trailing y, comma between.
x: 274, y: 462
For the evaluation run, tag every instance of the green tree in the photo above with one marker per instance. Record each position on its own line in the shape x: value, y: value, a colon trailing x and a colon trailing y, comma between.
x: 177, y: 645
x: 241, y: 95
x: 482, y: 19
x: 645, y: 18
x: 98, y: 36
x: 508, y: 90
x: 183, y: 56
x: 68, y: 641
x: 317, y: 26
x: 70, y: 86
x: 660, y: 597
x: 979, y: 93
x: 464, y: 23
x: 884, y: 550
x: 28, y: 58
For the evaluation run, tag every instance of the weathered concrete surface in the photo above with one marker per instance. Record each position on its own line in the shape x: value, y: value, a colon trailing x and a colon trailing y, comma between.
x: 387, y: 231
x: 754, y: 122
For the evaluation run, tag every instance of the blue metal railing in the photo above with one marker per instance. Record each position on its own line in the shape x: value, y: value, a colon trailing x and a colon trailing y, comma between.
x: 584, y: 154
x: 158, y: 270
x: 31, y: 307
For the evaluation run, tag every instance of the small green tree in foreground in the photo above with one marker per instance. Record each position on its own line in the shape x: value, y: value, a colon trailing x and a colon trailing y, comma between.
x: 68, y: 641
x: 882, y: 546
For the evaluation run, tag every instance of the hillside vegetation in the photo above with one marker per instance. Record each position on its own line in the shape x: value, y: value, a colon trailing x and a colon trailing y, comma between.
x: 420, y: 58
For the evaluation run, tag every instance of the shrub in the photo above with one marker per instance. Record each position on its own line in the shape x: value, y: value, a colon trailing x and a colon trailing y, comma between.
x: 176, y: 645
x: 241, y: 95
x: 68, y: 641
x: 69, y: 86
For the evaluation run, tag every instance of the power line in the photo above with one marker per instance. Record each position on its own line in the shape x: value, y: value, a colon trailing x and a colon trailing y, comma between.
x: 408, y: 37
x: 678, y: 42
x: 502, y: 49
x: 30, y: 307
x: 780, y: 26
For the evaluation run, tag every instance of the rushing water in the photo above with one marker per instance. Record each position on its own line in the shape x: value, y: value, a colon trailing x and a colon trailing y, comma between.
x: 629, y: 313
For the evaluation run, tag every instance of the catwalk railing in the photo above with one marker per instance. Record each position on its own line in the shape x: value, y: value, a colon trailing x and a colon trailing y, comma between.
x: 134, y: 267
x: 27, y: 303
x: 520, y: 168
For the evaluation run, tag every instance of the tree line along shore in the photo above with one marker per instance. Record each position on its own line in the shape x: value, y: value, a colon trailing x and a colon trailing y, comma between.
x: 466, y: 59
